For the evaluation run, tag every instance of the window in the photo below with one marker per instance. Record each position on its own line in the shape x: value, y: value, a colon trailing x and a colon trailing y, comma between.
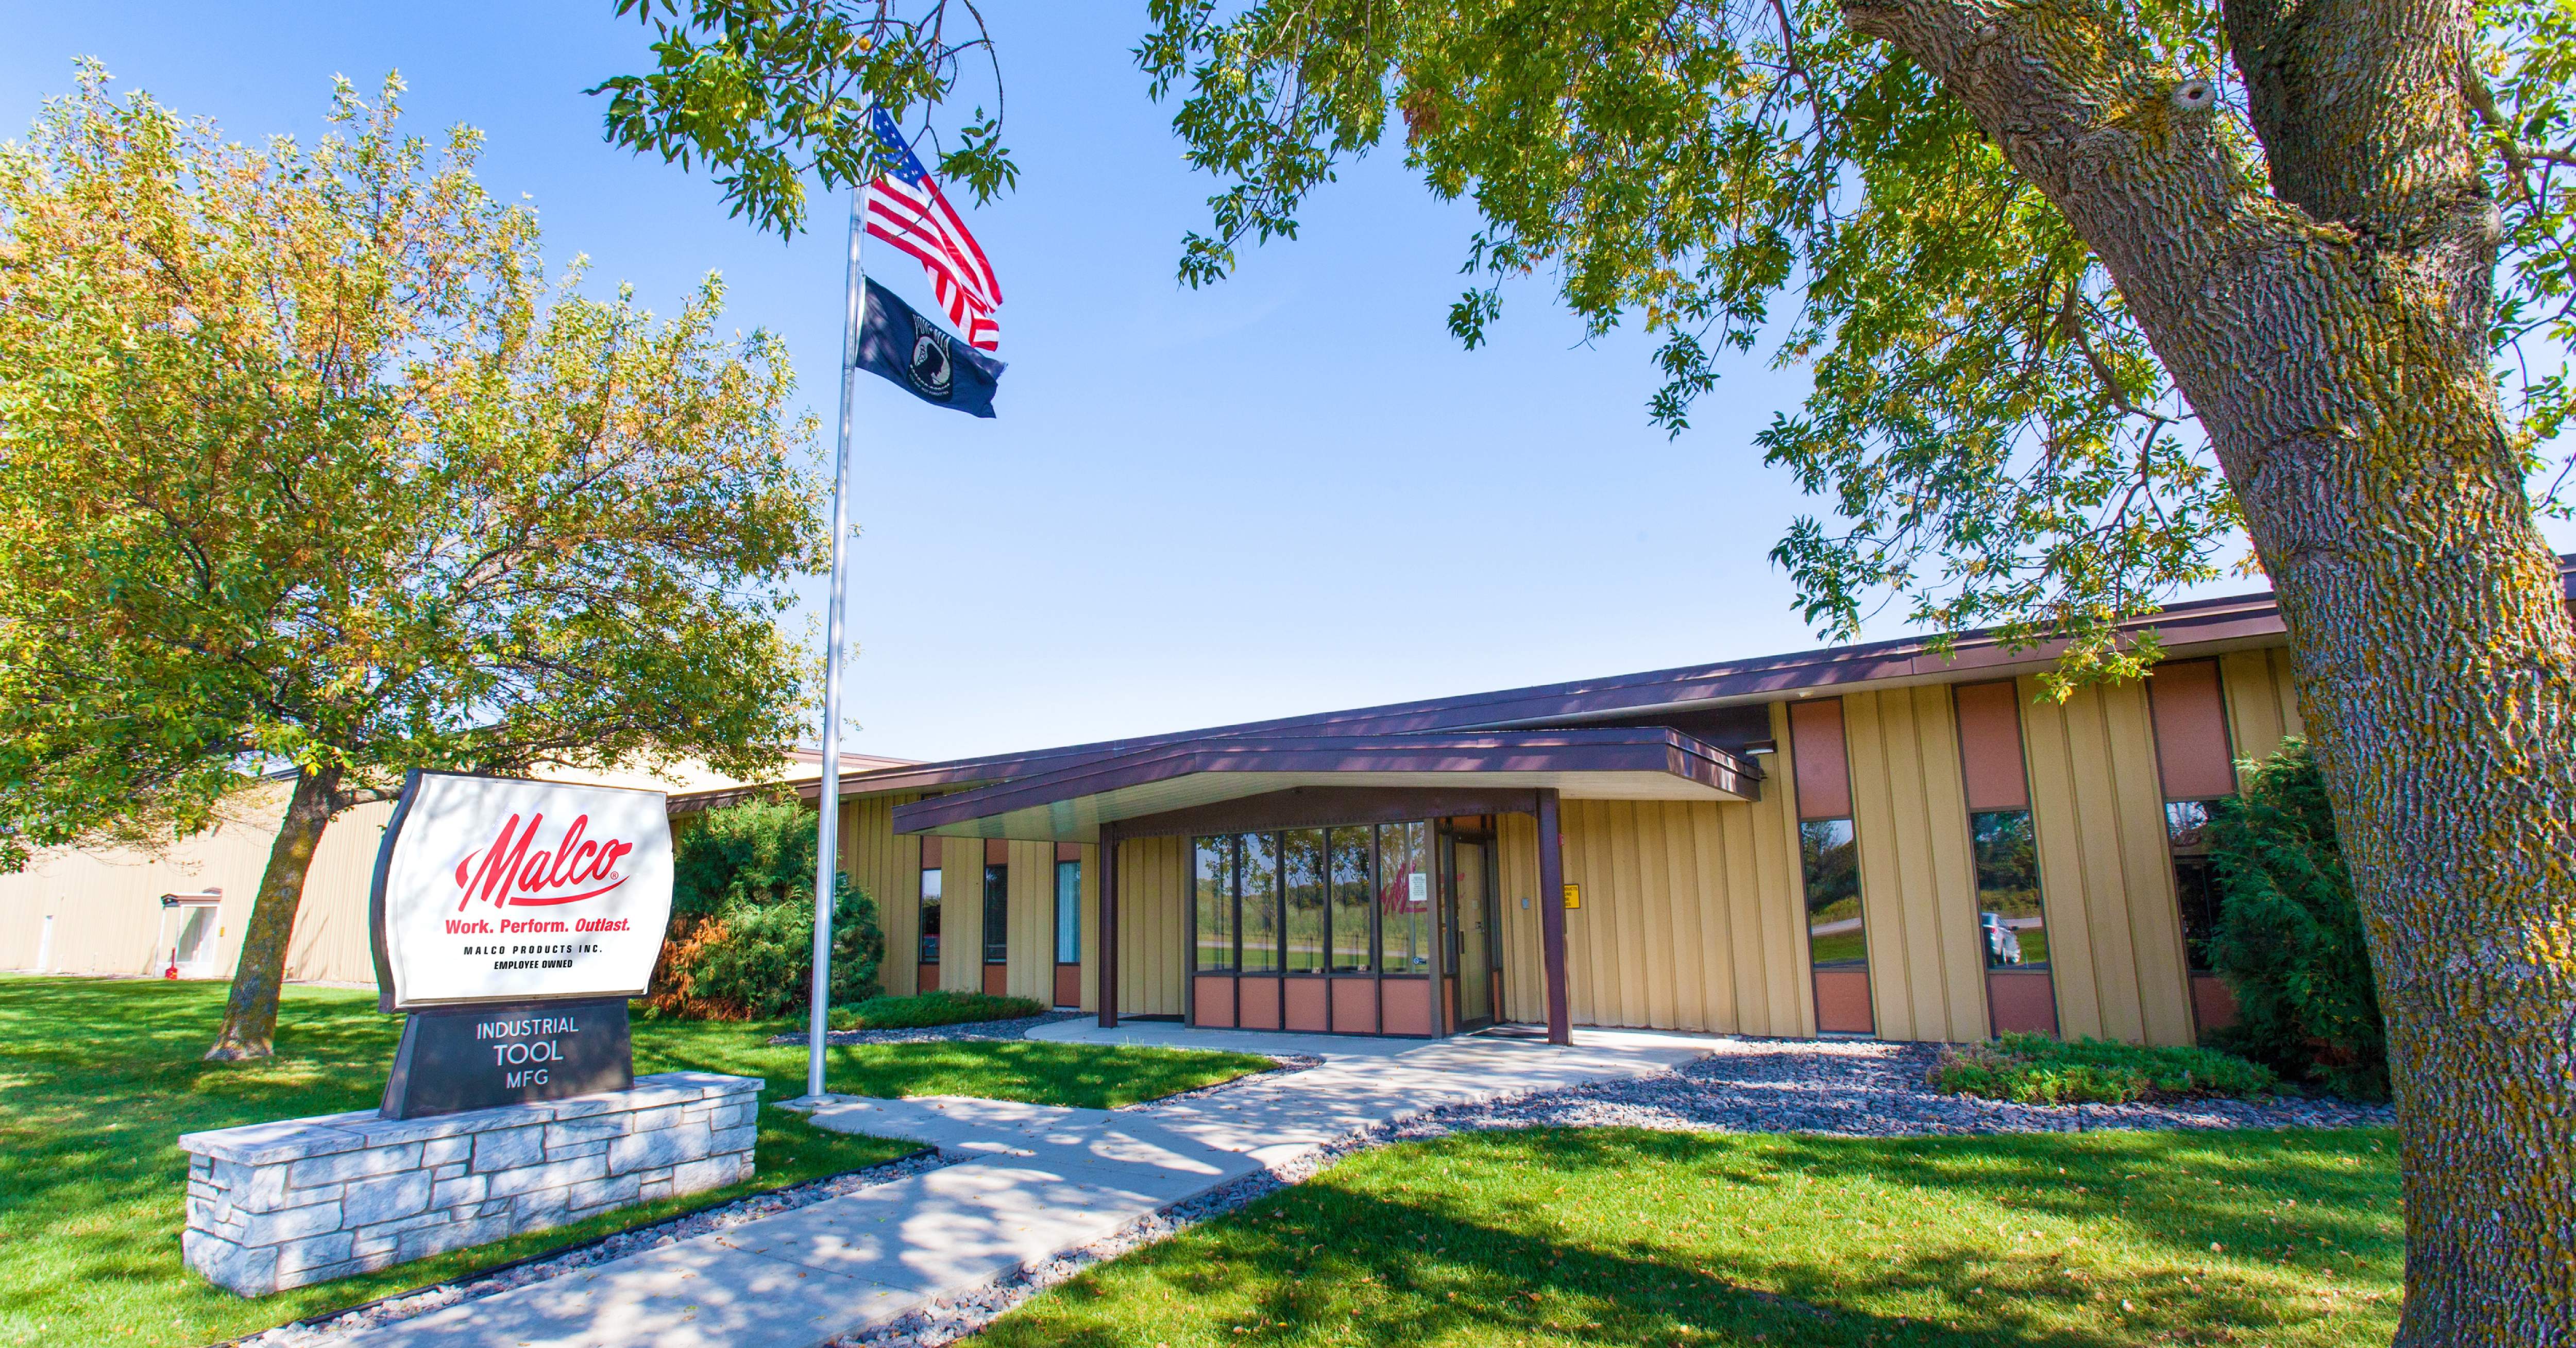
x: 997, y: 914
x: 1068, y: 912
x: 930, y: 916
x: 1258, y: 873
x: 1404, y: 896
x: 2008, y: 908
x: 1215, y: 901
x: 1349, y: 900
x: 1347, y: 870
x: 1835, y: 939
x: 2195, y: 889
x: 1302, y: 860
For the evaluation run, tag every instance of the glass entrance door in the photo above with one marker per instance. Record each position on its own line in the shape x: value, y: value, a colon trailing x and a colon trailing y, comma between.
x: 1471, y: 926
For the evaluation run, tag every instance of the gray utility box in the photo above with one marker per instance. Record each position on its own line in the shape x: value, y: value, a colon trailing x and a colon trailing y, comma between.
x: 279, y: 1205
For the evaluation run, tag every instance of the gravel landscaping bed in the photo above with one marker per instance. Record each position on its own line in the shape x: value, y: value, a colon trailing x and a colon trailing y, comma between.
x: 1859, y: 1088
x: 934, y: 1034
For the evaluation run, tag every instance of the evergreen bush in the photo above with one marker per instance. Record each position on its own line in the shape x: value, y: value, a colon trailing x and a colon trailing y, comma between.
x: 742, y: 929
x: 2289, y: 940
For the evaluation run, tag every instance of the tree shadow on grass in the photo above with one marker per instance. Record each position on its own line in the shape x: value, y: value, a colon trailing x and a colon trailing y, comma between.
x: 1581, y: 1237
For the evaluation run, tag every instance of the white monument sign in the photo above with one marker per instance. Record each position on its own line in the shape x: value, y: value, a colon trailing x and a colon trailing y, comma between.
x: 497, y: 889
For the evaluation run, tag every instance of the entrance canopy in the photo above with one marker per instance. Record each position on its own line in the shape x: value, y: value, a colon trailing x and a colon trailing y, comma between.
x: 1181, y: 786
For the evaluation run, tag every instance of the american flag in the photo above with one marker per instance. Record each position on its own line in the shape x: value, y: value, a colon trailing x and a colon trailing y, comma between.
x: 907, y: 209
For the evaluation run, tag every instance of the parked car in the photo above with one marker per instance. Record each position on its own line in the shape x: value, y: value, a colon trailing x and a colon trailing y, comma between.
x: 2002, y: 946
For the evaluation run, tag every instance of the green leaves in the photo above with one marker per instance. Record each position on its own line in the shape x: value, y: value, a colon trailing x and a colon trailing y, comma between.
x: 304, y: 464
x: 768, y: 91
x: 1992, y: 437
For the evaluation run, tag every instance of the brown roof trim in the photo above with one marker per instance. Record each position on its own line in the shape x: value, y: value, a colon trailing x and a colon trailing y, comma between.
x: 2223, y: 622
x: 1638, y: 749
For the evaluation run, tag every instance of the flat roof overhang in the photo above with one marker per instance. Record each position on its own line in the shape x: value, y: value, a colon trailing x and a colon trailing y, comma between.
x: 1074, y: 803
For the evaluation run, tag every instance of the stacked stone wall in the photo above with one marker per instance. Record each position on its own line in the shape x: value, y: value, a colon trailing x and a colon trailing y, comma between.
x: 279, y: 1205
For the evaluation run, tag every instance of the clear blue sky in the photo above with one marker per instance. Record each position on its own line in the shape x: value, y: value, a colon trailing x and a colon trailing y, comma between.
x: 1189, y: 497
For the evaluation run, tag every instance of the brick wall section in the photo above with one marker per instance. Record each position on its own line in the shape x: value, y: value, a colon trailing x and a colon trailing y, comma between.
x: 279, y: 1205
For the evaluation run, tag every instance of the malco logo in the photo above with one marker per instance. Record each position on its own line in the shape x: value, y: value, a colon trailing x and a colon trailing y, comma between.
x: 507, y: 874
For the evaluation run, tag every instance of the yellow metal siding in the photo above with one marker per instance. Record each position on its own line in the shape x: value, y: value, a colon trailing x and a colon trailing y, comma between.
x: 2114, y: 938
x: 1032, y: 962
x: 1153, y: 925
x: 2262, y: 701
x: 888, y: 867
x: 961, y: 914
x: 1918, y: 884
x: 106, y: 905
x: 1690, y: 916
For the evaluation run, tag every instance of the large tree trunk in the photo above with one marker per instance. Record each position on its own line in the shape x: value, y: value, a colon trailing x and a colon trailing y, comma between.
x: 250, y: 1014
x: 2332, y: 334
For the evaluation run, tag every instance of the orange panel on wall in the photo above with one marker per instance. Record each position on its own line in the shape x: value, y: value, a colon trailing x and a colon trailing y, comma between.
x: 997, y: 852
x: 1842, y: 1002
x: 1257, y: 1003
x: 1214, y: 1001
x: 1990, y: 747
x: 1408, y: 1005
x: 929, y: 978
x: 1354, y: 1006
x: 1306, y: 997
x: 1068, y: 985
x: 997, y: 980
x: 2211, y: 1002
x: 2021, y: 1001
x: 1824, y: 773
x: 2191, y: 730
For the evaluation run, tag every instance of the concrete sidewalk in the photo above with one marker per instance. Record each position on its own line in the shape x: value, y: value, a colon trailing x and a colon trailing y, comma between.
x: 1035, y: 1181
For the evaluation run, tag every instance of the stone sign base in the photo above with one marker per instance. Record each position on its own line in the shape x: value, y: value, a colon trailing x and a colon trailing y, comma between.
x: 279, y: 1205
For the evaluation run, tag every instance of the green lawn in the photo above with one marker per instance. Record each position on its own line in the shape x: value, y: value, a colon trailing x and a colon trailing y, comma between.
x: 1602, y: 1237
x: 98, y: 1079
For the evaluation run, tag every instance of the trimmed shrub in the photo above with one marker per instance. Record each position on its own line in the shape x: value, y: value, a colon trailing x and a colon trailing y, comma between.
x: 2289, y: 941
x: 755, y: 961
x: 761, y: 851
x: 931, y: 1008
x: 741, y: 942
x: 2033, y: 1069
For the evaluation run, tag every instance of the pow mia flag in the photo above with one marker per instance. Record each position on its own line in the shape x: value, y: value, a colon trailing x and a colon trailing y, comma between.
x: 919, y: 356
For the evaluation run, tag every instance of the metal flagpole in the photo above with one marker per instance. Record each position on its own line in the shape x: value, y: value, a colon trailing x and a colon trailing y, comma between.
x: 827, y: 854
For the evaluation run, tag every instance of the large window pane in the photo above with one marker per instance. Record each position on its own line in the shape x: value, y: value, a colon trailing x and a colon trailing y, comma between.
x: 1404, y: 896
x: 1215, y: 897
x: 930, y: 916
x: 1260, y: 872
x: 1832, y: 861
x: 1068, y: 912
x: 997, y: 914
x: 1348, y: 869
x: 2008, y: 908
x: 1302, y: 866
x: 2195, y: 889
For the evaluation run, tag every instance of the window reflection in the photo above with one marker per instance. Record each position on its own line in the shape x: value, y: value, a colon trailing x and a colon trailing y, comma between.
x: 930, y: 916
x: 1404, y: 896
x: 1835, y: 939
x: 997, y: 914
x: 1259, y: 878
x: 2009, y: 915
x: 1068, y: 912
x: 1215, y: 899
x: 2195, y: 888
x: 1302, y: 868
x: 1347, y: 870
